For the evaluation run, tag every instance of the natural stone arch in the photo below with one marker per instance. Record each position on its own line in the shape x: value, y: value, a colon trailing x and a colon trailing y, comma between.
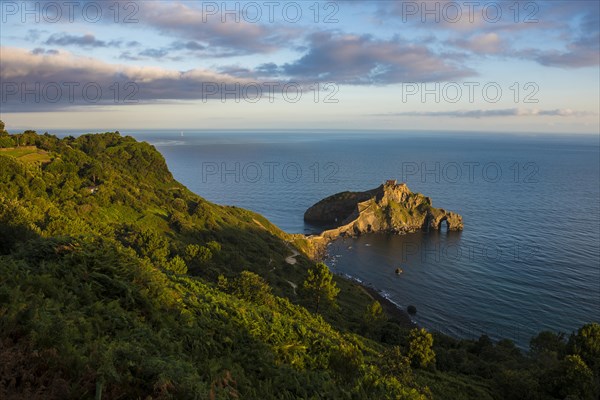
x: 453, y: 221
x: 441, y: 224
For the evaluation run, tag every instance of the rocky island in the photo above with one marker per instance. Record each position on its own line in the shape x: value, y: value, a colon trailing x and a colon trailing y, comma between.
x: 392, y: 207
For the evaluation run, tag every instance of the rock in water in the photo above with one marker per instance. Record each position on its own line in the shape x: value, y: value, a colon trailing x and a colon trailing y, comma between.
x: 391, y: 207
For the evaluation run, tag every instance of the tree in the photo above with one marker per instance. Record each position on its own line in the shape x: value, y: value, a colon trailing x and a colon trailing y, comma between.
x: 420, y: 351
x: 6, y: 141
x: 2, y: 130
x: 191, y: 251
x: 319, y: 286
x: 204, y: 254
x: 374, y: 317
x: 213, y: 246
x: 93, y: 171
x: 374, y: 313
x: 586, y: 344
x: 547, y: 342
x: 27, y: 138
x: 516, y: 385
x: 396, y: 364
x: 346, y: 360
x: 251, y: 287
x: 176, y: 265
x: 572, y: 378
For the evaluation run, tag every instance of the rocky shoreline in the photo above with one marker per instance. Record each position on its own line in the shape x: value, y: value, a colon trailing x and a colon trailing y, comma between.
x: 390, y: 208
x: 392, y: 310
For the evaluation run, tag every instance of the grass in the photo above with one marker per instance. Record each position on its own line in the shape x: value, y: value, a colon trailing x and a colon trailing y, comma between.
x: 27, y: 154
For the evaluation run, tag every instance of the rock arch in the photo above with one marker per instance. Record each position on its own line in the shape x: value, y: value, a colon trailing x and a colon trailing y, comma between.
x: 453, y: 221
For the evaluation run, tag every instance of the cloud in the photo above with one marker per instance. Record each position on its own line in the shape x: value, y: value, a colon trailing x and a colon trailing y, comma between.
x: 571, y: 28
x: 185, y: 21
x: 207, y: 31
x: 577, y: 55
x: 507, y: 112
x: 485, y: 43
x: 49, y: 70
x: 34, y: 34
x: 189, y: 48
x: 577, y: 43
x: 188, y: 45
x: 87, y: 40
x: 358, y: 60
x: 126, y: 55
x: 39, y: 50
x: 584, y: 48
x: 464, y: 17
x: 154, y: 53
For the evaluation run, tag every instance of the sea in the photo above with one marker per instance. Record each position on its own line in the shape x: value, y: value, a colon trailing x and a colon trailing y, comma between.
x: 527, y: 260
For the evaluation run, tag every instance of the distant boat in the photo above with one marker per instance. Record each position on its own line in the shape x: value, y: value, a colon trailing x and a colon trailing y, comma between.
x: 181, y: 134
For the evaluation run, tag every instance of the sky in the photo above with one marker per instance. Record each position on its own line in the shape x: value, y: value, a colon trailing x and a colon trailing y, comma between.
x: 501, y: 66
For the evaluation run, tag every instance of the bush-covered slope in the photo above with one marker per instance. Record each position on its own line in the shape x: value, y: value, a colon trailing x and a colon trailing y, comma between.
x: 116, y: 282
x: 80, y: 317
x: 99, y: 248
x: 115, y: 187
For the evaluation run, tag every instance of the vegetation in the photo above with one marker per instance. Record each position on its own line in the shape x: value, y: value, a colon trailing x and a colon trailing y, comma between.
x: 374, y: 315
x: 117, y: 282
x: 26, y: 153
x: 320, y: 287
x: 420, y: 351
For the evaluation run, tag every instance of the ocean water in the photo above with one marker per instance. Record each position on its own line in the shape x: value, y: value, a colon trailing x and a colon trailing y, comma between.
x: 527, y: 260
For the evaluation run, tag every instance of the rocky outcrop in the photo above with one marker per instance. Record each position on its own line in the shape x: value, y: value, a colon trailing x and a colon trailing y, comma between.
x: 391, y: 207
x: 333, y: 210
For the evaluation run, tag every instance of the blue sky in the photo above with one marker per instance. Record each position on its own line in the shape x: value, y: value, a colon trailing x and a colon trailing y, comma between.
x: 515, y: 66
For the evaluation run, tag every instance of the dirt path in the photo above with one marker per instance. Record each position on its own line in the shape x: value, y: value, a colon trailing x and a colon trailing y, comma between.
x: 293, y: 285
x: 292, y: 259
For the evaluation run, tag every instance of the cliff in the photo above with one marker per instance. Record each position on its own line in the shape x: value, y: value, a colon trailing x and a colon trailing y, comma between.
x: 391, y: 207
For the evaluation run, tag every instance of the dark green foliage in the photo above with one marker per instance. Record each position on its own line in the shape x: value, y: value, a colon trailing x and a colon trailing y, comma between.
x: 516, y: 384
x: 6, y: 141
x: 249, y: 286
x: 346, y: 361
x: 103, y: 315
x: 572, y: 378
x: 552, y: 370
x: 395, y: 363
x: 548, y: 344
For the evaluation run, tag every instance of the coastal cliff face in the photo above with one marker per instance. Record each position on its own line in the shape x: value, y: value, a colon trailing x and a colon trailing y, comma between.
x: 391, y: 208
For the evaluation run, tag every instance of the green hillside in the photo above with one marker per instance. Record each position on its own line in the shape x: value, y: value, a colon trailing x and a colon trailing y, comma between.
x: 116, y: 282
